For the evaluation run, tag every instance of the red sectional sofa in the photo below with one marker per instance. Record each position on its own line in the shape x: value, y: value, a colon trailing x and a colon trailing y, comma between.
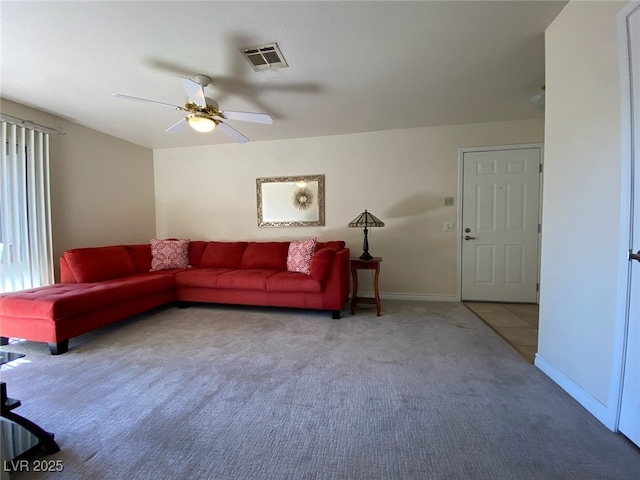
x: 102, y: 285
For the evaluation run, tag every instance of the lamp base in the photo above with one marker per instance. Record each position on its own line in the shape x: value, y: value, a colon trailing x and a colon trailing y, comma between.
x: 365, y: 246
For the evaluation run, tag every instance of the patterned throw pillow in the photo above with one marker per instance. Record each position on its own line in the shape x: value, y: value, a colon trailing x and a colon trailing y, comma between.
x: 299, y: 256
x: 166, y: 254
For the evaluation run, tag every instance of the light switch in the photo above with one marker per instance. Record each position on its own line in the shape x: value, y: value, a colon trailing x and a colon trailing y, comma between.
x: 448, y: 227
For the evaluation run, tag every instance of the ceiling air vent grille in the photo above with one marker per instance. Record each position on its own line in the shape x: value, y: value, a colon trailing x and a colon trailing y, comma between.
x: 265, y: 57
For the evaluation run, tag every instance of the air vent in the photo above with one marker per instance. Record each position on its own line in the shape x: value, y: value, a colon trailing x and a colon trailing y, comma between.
x: 265, y: 57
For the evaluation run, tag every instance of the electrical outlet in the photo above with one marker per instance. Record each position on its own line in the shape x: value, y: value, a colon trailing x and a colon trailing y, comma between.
x: 448, y: 227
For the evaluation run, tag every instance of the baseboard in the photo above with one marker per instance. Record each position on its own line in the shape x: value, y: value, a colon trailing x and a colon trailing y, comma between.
x: 579, y: 394
x: 419, y: 297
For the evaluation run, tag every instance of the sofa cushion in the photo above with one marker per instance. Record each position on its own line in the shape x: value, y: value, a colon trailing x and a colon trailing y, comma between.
x: 321, y: 263
x: 223, y: 255
x: 64, y: 300
x: 270, y: 255
x: 293, y: 282
x: 249, y: 279
x: 167, y: 254
x: 199, y: 277
x: 334, y: 244
x: 299, y: 255
x: 196, y: 250
x: 141, y: 256
x: 94, y: 264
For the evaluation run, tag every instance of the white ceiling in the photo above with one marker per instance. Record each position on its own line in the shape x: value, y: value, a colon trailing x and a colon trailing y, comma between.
x: 354, y: 66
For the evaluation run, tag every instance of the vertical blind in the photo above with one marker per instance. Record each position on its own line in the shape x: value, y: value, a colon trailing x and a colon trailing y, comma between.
x: 26, y: 257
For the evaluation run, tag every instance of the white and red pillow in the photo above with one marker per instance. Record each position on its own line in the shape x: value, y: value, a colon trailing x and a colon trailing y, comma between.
x: 299, y: 255
x: 168, y: 254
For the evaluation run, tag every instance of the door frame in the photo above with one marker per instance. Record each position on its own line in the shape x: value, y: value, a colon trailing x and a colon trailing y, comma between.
x: 461, y: 152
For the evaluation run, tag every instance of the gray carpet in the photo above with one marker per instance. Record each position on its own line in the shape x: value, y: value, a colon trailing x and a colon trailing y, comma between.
x: 426, y: 391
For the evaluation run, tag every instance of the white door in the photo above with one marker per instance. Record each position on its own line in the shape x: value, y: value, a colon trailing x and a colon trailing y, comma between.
x: 500, y: 224
x: 629, y: 421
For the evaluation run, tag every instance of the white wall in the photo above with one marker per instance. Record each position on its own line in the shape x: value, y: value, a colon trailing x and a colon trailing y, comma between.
x: 102, y: 189
x: 401, y: 176
x: 581, y: 276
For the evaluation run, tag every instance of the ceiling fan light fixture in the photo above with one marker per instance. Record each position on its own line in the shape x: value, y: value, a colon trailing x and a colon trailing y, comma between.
x: 201, y: 123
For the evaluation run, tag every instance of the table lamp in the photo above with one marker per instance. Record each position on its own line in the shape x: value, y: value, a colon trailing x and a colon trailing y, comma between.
x: 366, y: 220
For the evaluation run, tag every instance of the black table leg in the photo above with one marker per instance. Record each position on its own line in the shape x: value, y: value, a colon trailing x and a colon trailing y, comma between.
x: 45, y: 437
x: 8, y: 404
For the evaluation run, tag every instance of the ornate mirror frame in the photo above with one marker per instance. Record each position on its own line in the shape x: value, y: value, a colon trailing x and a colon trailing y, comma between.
x: 290, y: 201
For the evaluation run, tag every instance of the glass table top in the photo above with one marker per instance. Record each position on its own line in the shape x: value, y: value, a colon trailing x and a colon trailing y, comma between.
x: 6, y: 357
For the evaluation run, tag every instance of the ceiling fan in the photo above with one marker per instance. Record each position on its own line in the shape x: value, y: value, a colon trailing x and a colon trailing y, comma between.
x: 203, y: 113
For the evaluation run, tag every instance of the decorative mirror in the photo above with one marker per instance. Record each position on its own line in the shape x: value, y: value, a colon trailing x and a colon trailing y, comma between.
x: 290, y: 201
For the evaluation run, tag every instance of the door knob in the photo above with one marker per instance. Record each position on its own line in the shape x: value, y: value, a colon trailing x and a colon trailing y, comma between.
x: 467, y: 237
x: 634, y: 256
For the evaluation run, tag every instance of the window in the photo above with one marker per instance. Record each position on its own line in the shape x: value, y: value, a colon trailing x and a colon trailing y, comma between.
x: 26, y: 258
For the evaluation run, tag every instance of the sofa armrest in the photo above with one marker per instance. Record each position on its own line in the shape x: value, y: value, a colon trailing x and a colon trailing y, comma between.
x: 66, y: 275
x: 337, y: 285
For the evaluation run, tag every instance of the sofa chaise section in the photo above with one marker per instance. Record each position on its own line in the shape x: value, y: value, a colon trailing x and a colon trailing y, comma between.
x: 56, y: 313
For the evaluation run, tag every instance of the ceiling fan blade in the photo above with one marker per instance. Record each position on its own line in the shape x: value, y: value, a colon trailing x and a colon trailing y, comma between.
x: 195, y: 91
x: 144, y: 100
x: 235, y: 135
x: 248, y: 117
x: 178, y: 127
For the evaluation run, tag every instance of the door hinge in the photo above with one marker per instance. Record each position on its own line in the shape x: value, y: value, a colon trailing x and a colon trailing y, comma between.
x: 539, y: 228
x: 537, y: 287
x: 540, y: 168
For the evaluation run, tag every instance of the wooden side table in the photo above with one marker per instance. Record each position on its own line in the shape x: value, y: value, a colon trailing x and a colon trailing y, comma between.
x: 359, y: 264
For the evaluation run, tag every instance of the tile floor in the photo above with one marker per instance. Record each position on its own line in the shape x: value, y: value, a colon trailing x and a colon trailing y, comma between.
x: 517, y: 323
